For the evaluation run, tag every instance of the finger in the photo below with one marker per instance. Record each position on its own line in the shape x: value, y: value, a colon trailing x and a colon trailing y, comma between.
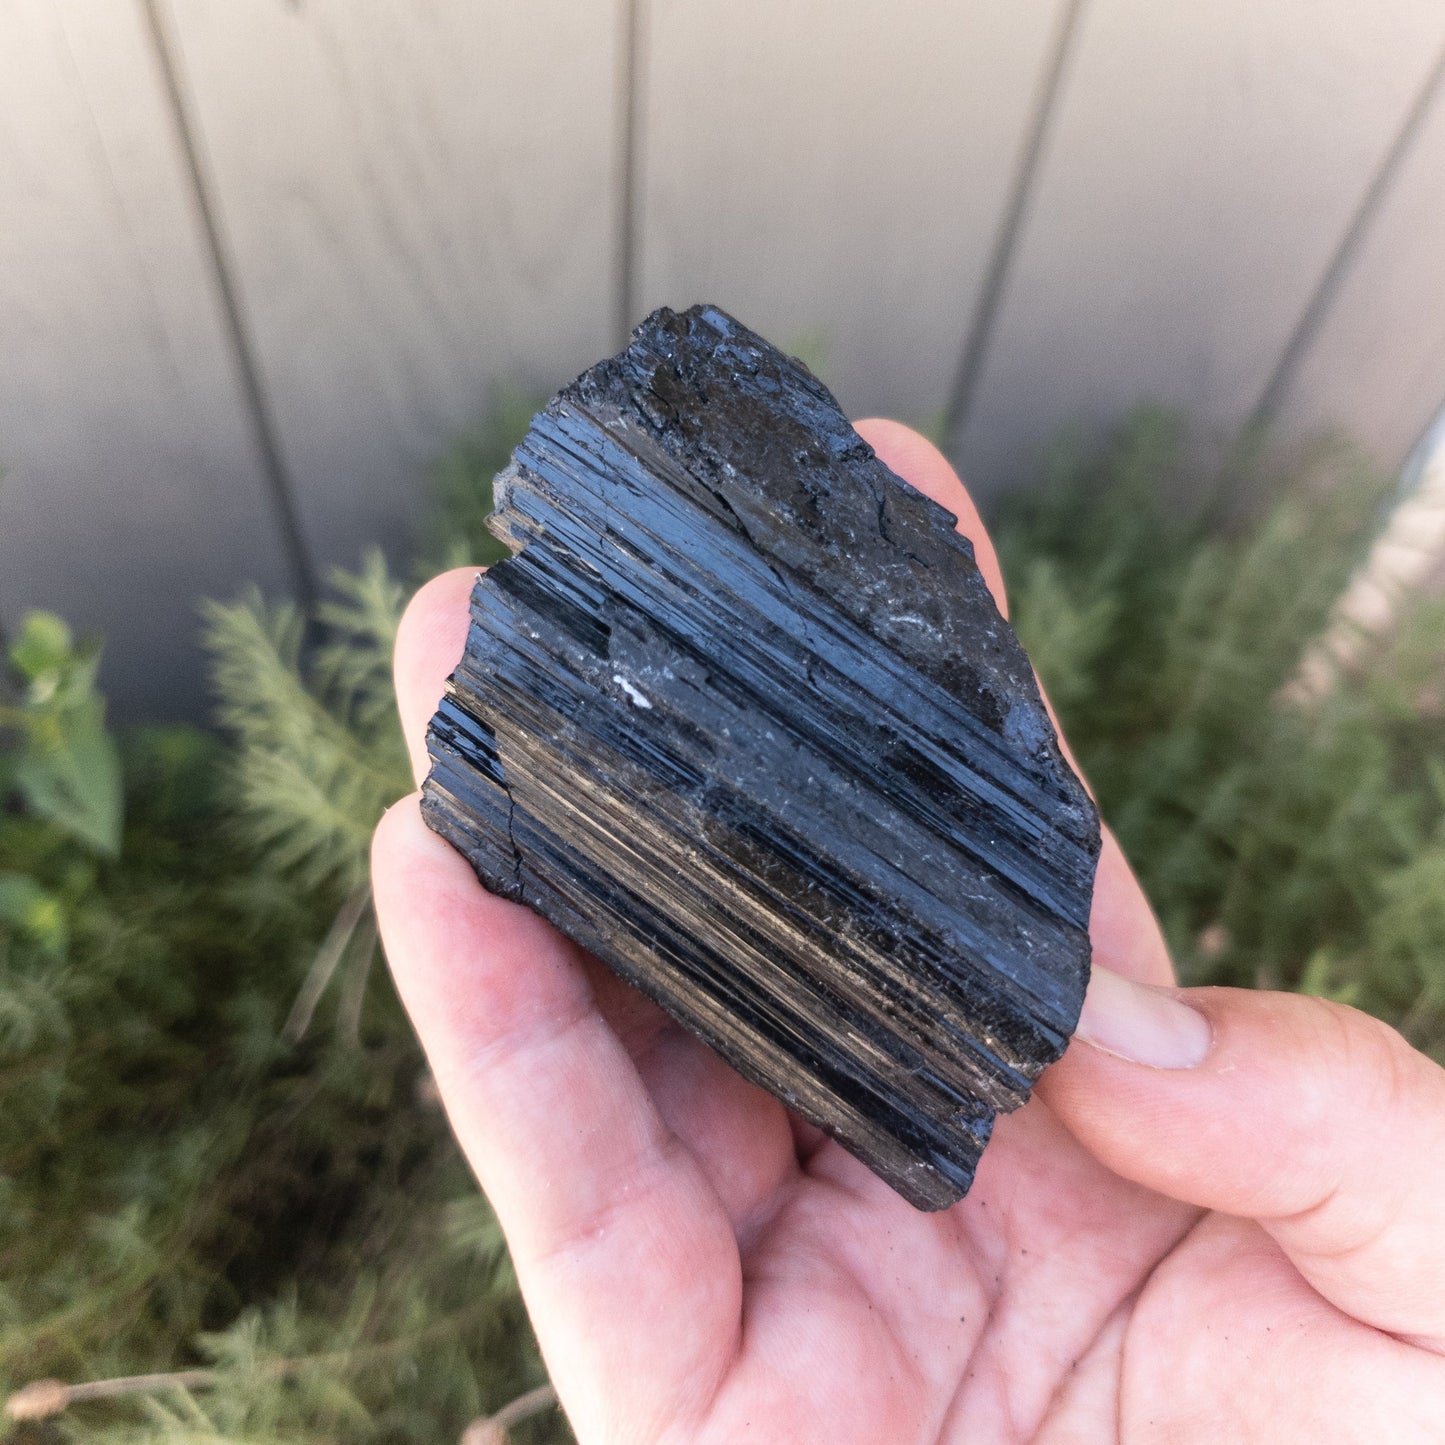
x: 914, y: 458
x: 627, y: 1261
x: 1314, y: 1119
x: 1125, y: 934
x: 429, y: 643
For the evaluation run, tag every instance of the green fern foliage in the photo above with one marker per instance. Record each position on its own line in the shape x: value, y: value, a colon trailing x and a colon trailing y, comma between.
x: 1283, y: 844
x: 221, y: 1156
x: 318, y: 749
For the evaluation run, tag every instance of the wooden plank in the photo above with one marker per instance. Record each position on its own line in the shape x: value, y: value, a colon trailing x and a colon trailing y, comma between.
x: 419, y: 203
x: 835, y: 174
x: 1375, y: 368
x: 1205, y: 162
x: 130, y: 485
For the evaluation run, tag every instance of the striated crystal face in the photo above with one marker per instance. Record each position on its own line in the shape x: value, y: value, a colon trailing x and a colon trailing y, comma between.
x: 741, y: 718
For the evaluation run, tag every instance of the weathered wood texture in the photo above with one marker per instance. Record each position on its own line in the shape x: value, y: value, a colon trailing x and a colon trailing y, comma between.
x: 1010, y: 214
x: 839, y: 179
x: 1204, y: 164
x: 1375, y: 364
x: 420, y: 203
x: 131, y: 484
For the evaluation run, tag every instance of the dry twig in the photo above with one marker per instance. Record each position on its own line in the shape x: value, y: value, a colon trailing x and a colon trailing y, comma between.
x: 327, y: 957
x: 492, y: 1430
x: 44, y: 1399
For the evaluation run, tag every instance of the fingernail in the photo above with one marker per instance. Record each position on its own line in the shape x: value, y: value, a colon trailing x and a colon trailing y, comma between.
x: 1143, y: 1024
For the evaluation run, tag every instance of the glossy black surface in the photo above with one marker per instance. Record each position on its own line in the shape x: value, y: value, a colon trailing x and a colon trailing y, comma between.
x: 741, y: 718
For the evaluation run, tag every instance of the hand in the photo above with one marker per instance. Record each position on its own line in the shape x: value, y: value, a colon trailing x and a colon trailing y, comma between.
x: 1221, y: 1218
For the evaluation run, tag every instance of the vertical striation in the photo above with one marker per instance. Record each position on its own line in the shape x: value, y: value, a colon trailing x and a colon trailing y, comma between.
x: 741, y: 718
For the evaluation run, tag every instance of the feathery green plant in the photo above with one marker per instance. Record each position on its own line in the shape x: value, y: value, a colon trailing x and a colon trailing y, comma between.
x: 221, y: 1156
x: 1284, y: 844
x: 319, y: 752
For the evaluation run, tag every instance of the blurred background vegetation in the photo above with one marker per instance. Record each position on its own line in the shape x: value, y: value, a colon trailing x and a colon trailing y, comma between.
x: 221, y: 1157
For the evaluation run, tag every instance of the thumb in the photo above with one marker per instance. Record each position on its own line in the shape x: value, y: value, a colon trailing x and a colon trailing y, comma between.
x: 1316, y: 1120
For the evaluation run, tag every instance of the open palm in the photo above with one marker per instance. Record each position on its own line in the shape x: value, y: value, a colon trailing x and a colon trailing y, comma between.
x: 1217, y: 1220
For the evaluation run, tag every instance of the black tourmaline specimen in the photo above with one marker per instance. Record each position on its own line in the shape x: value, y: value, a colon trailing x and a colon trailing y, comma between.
x: 741, y: 718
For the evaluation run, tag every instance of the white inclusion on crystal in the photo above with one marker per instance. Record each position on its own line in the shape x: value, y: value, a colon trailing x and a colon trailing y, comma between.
x: 638, y: 700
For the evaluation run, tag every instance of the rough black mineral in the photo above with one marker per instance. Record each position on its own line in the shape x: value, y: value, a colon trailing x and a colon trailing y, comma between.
x: 740, y: 717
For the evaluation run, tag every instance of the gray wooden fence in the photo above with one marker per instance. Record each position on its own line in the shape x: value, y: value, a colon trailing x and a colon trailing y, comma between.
x: 260, y: 259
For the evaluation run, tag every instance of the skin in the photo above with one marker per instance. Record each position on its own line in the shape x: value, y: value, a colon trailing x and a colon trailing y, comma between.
x: 1219, y: 1219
